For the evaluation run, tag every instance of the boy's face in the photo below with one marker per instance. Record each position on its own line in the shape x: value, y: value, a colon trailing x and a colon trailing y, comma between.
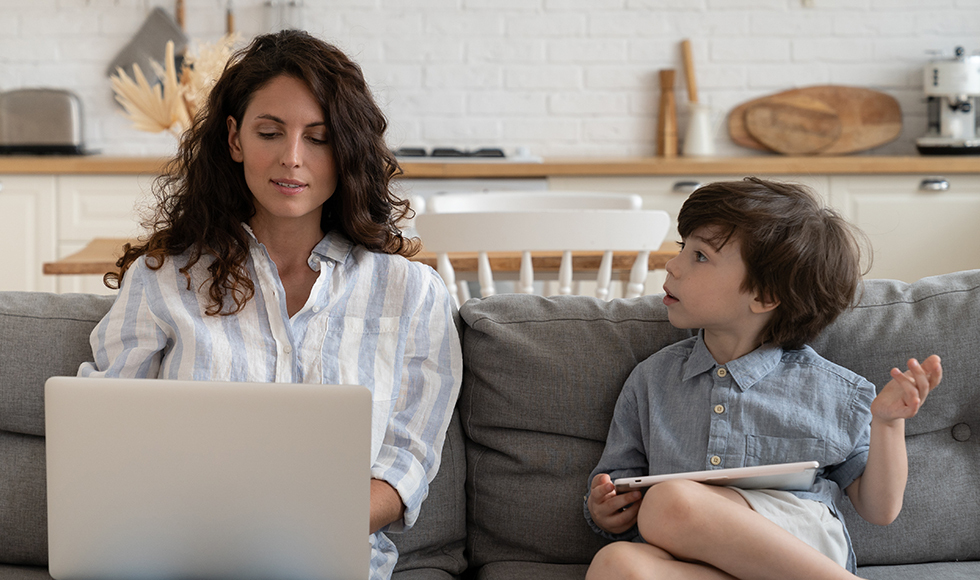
x: 704, y: 288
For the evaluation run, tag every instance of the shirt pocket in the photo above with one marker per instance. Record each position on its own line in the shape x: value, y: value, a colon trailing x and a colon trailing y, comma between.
x: 768, y: 450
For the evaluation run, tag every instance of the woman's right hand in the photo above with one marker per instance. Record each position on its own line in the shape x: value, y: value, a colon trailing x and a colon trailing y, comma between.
x: 611, y: 511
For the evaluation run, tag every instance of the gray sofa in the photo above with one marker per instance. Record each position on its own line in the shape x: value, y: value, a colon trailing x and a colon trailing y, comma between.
x: 541, y: 378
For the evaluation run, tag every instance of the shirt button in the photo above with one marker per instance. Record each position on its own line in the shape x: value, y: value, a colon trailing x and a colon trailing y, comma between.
x: 715, y: 460
x: 316, y: 309
x: 287, y: 349
x: 722, y: 372
x: 719, y: 409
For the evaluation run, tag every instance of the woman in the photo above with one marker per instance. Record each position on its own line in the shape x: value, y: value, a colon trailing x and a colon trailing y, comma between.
x: 274, y: 256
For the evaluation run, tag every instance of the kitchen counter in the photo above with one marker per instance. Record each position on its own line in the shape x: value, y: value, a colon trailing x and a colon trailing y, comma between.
x: 757, y: 164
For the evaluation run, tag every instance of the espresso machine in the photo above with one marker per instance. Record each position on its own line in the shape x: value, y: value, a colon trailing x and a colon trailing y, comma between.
x: 952, y: 86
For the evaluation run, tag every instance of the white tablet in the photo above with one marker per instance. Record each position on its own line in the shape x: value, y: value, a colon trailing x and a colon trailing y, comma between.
x: 797, y: 476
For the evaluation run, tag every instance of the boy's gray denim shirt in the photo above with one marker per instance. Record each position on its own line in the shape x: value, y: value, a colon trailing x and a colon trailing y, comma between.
x: 681, y: 411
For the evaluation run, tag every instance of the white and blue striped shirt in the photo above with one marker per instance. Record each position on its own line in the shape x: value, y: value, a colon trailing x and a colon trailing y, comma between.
x: 371, y: 319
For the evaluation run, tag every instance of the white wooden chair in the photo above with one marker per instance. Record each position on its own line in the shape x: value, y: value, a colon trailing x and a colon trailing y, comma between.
x: 530, y: 200
x: 524, y: 200
x: 545, y: 230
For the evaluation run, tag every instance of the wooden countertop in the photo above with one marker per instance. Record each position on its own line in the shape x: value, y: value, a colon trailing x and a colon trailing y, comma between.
x: 646, y: 166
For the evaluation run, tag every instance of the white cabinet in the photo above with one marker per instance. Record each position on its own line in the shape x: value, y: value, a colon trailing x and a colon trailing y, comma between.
x: 27, y: 231
x: 668, y: 192
x: 918, y: 225
x: 98, y: 206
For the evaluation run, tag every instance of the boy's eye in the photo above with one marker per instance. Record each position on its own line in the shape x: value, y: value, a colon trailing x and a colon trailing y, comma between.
x: 700, y: 257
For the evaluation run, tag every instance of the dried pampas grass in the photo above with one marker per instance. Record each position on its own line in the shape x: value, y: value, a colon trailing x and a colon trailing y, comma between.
x: 171, y: 105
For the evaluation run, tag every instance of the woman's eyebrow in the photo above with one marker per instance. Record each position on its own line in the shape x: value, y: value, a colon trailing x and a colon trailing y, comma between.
x: 281, y: 122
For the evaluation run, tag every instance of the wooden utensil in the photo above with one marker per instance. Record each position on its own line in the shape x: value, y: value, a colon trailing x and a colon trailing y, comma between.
x: 795, y: 125
x: 689, y: 76
x: 179, y: 13
x: 229, y: 18
x: 868, y: 118
x: 667, y: 126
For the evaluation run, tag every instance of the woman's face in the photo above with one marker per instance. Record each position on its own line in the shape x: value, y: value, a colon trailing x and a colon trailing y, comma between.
x: 283, y: 146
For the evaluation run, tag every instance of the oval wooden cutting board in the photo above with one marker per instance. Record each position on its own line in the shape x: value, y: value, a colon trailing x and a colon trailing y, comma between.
x: 800, y: 121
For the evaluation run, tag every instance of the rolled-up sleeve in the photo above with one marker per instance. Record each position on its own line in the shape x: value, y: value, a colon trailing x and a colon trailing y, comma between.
x: 624, y: 454
x: 128, y: 341
x: 432, y: 371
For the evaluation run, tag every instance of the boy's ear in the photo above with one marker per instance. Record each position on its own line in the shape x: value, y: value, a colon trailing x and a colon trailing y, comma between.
x: 762, y: 304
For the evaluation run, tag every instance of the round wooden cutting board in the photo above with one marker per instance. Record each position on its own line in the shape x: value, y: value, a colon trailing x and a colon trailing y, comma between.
x: 818, y: 120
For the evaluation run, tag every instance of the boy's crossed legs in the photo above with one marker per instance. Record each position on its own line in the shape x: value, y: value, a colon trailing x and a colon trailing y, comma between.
x: 696, y: 531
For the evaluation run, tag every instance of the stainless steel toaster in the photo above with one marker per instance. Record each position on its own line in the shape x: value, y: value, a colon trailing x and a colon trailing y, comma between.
x: 40, y: 121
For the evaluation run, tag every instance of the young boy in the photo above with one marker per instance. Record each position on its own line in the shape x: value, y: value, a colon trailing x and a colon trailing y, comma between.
x: 763, y: 268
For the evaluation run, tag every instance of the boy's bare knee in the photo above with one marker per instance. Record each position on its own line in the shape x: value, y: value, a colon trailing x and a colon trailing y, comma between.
x: 669, y: 510
x: 623, y: 561
x: 608, y: 562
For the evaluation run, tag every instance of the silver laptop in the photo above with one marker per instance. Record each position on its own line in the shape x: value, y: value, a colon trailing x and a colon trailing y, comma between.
x: 207, y: 480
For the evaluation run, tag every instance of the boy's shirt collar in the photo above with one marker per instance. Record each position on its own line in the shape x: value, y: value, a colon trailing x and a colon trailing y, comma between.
x: 746, y: 370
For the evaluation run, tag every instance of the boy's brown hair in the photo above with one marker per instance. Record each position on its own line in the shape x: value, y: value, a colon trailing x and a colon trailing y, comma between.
x: 797, y: 252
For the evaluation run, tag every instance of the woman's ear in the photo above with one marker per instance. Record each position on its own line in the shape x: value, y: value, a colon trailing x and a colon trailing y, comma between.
x: 762, y: 304
x: 234, y: 140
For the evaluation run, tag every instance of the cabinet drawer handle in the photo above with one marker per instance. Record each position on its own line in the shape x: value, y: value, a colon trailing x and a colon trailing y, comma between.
x: 685, y: 187
x: 934, y: 184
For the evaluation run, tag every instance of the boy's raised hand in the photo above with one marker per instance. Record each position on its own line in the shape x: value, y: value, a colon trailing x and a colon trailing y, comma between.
x: 905, y: 393
x: 615, y: 513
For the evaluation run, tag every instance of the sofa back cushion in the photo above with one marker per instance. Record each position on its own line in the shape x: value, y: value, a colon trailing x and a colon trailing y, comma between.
x: 44, y: 335
x: 541, y: 377
x: 41, y: 335
x: 940, y: 519
x: 438, y: 539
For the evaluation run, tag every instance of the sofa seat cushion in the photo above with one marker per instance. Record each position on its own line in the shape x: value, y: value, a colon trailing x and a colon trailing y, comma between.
x: 531, y: 571
x: 937, y: 570
x: 24, y: 572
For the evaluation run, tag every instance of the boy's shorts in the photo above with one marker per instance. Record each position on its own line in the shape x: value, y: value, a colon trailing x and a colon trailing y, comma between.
x: 808, y: 520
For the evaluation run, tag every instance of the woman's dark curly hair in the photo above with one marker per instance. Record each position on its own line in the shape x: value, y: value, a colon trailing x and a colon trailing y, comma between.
x: 797, y: 252
x: 202, y: 197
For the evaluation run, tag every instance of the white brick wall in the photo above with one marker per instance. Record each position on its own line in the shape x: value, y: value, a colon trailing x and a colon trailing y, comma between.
x: 563, y: 77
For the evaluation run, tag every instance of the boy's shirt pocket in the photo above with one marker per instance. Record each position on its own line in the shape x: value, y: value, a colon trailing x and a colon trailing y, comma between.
x: 768, y: 450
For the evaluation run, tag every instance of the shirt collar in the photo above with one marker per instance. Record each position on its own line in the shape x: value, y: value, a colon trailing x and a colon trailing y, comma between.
x: 746, y: 370
x: 334, y: 246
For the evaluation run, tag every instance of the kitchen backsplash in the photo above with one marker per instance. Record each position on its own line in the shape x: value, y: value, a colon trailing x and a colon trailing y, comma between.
x: 560, y: 77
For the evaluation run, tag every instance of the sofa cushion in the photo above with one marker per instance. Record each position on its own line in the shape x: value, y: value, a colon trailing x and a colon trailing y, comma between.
x: 895, y: 321
x: 434, y: 547
x: 24, y: 573
x: 41, y: 335
x: 935, y: 571
x: 532, y: 571
x: 541, y: 377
